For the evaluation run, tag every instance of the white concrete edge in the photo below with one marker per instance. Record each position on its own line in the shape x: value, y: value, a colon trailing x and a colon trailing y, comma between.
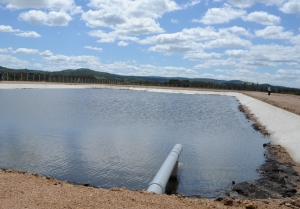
x: 283, y: 126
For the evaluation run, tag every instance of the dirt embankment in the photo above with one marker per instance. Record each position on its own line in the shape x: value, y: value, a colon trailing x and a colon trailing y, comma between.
x: 279, y: 174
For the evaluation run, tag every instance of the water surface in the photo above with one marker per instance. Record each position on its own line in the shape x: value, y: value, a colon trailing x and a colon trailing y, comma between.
x: 115, y: 138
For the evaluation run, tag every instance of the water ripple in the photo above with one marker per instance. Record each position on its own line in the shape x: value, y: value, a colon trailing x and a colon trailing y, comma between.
x: 117, y: 138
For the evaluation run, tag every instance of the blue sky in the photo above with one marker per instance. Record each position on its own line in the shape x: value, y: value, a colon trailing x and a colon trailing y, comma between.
x: 251, y: 40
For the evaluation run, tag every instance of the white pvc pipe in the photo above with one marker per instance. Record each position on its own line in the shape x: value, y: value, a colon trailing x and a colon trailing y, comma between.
x: 158, y: 184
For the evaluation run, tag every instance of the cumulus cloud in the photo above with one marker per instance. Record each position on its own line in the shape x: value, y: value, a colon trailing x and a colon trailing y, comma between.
x: 263, y: 18
x: 274, y: 32
x: 104, y: 37
x: 50, y: 4
x: 174, y: 48
x: 13, y: 62
x: 231, y: 43
x: 137, y: 9
x: 60, y: 59
x: 236, y: 53
x: 129, y: 18
x: 288, y: 74
x: 220, y: 15
x: 201, y: 56
x: 102, y: 18
x: 197, y: 34
x: 52, y: 18
x: 249, y: 3
x: 216, y: 62
x: 238, y: 31
x: 5, y: 50
x: 291, y: 7
x: 195, y: 40
x: 111, y: 36
x: 26, y: 51
x: 139, y: 26
x: 295, y: 40
x: 266, y: 55
x: 7, y: 29
x: 93, y: 48
x: 30, y: 34
x: 122, y: 43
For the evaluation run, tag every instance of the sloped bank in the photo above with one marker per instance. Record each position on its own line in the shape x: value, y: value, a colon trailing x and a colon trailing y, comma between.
x: 279, y: 174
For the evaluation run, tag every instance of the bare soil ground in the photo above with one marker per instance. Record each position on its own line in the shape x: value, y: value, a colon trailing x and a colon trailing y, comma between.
x: 287, y: 102
x: 24, y: 190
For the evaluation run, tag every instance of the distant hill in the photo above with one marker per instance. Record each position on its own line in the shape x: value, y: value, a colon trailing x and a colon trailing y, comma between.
x: 103, y: 75
x: 150, y: 80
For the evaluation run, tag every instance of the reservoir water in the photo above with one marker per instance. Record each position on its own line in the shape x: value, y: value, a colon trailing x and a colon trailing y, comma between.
x: 120, y: 138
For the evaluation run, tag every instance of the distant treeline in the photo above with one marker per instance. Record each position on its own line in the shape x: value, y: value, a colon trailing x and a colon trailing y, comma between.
x: 58, y: 78
x: 232, y: 86
x: 90, y: 76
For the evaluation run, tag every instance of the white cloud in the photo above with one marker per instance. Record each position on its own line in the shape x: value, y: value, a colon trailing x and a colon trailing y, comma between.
x: 104, y: 37
x: 46, y: 53
x: 216, y: 62
x: 220, y: 15
x: 37, y: 65
x: 238, y: 31
x: 122, y: 43
x: 201, y: 56
x: 281, y: 77
x: 224, y: 42
x: 60, y: 59
x: 34, y: 17
x: 130, y: 18
x: 139, y: 26
x: 249, y: 3
x: 195, y: 40
x: 151, y: 70
x: 241, y: 4
x: 136, y: 9
x: 295, y: 40
x: 59, y: 18
x: 175, y: 21
x: 102, y: 18
x: 237, y: 54
x: 5, y: 50
x: 93, y: 48
x: 291, y: 7
x: 13, y: 62
x: 190, y: 4
x: 263, y: 18
x: 174, y: 48
x: 288, y: 74
x: 26, y: 51
x: 274, y: 32
x: 266, y: 55
x: 197, y: 34
x: 52, y: 18
x: 111, y: 37
x: 50, y: 4
x: 8, y: 29
x: 30, y: 34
